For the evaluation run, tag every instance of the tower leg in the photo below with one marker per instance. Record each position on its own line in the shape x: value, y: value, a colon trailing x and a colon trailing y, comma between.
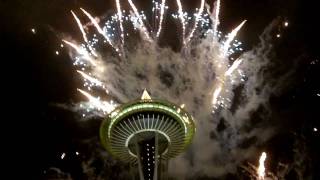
x: 132, y: 171
x: 155, y: 174
x: 166, y: 165
x: 139, y: 161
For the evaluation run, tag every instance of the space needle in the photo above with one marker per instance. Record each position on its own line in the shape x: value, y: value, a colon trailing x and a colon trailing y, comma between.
x: 146, y: 133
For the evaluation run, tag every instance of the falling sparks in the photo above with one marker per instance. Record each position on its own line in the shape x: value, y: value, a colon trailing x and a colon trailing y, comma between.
x: 278, y: 35
x: 318, y: 94
x: 315, y: 129
x: 57, y: 53
x: 261, y: 169
x: 286, y: 24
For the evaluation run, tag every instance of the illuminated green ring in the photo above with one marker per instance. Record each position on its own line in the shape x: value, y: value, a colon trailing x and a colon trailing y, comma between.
x: 171, y: 110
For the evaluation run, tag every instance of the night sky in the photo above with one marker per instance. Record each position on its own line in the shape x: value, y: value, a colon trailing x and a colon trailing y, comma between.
x: 36, y: 79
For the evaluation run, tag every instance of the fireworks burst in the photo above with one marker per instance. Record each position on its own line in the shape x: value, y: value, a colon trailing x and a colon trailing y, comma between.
x: 86, y: 52
x: 202, y: 75
x: 261, y: 169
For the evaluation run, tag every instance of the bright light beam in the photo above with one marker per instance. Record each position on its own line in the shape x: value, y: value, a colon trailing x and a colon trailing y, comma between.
x: 80, y: 26
x: 100, y: 105
x: 63, y: 155
x: 96, y: 25
x: 183, y: 23
x: 231, y: 37
x: 216, y: 95
x: 234, y: 66
x: 216, y: 18
x: 143, y: 27
x: 161, y: 17
x: 120, y: 20
x: 89, y: 78
x: 196, y: 21
x: 81, y: 51
x: 261, y: 169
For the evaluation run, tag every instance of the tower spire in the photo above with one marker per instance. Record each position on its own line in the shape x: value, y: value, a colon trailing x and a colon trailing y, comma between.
x: 145, y: 95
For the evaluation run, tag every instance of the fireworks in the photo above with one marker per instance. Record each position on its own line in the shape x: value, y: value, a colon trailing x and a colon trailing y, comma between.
x: 216, y: 94
x: 33, y: 30
x: 198, y: 15
x: 202, y: 76
x: 80, y: 26
x: 63, y: 155
x: 104, y: 106
x: 216, y: 17
x: 259, y: 172
x: 140, y: 21
x: 120, y: 20
x: 163, y: 4
x: 87, y: 55
x: 234, y: 66
x: 261, y: 169
x: 231, y: 37
x: 96, y: 25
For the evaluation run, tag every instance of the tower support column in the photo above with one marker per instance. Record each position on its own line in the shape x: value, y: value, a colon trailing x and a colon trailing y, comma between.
x: 156, y: 149
x: 139, y: 161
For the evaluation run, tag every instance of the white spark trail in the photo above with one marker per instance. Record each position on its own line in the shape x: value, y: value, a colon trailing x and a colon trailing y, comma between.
x: 143, y: 27
x: 120, y: 20
x: 63, y: 155
x: 161, y: 17
x: 234, y: 66
x: 231, y: 37
x: 91, y: 79
x: 84, y: 35
x: 96, y: 25
x: 261, y: 169
x: 81, y: 51
x: 196, y: 21
x: 216, y: 18
x: 217, y: 92
x: 80, y: 26
x: 97, y: 103
x: 216, y: 95
x: 183, y: 23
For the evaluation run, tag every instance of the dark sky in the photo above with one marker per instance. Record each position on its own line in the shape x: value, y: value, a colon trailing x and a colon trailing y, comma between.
x: 35, y: 78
